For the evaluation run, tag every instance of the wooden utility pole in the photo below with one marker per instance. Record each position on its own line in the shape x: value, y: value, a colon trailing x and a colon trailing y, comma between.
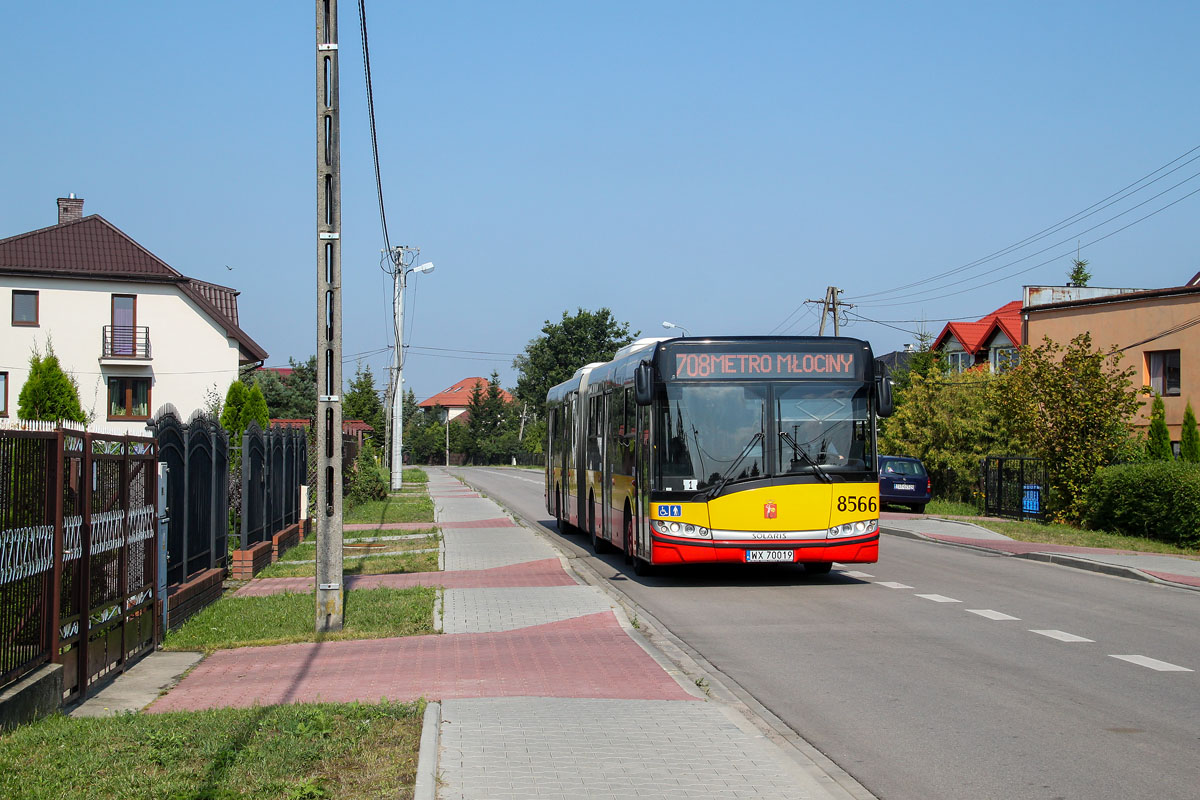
x: 330, y: 593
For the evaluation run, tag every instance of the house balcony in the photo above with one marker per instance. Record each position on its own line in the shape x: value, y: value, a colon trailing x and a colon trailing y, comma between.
x: 121, y: 344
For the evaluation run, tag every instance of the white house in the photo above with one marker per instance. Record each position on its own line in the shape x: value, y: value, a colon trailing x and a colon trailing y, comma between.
x: 133, y: 332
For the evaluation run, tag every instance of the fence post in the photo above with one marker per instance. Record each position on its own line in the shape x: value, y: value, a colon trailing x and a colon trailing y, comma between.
x: 85, y: 566
x: 55, y: 605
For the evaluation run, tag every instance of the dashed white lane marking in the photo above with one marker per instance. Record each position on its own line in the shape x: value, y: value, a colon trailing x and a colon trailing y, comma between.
x: 990, y: 614
x: 939, y: 598
x: 853, y: 573
x: 1153, y: 663
x: 1063, y: 636
x: 893, y: 585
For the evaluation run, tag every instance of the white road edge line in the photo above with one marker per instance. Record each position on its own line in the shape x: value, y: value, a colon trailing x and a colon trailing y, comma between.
x: 939, y: 598
x: 990, y: 614
x: 853, y: 573
x: 893, y: 585
x: 1063, y: 636
x: 1152, y: 663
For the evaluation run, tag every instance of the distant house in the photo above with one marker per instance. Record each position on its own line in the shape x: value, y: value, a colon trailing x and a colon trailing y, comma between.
x: 134, y: 332
x: 1156, y: 330
x: 457, y: 397
x: 991, y: 340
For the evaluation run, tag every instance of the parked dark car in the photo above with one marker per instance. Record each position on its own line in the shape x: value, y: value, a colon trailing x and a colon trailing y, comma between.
x: 904, y: 481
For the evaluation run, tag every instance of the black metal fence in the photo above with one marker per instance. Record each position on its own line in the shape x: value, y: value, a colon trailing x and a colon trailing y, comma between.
x: 197, y: 457
x: 1015, y: 487
x: 274, y: 465
x: 78, y: 551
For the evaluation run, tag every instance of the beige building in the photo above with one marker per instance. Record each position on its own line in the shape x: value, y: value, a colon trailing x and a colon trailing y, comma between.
x: 133, y: 332
x: 1157, y: 330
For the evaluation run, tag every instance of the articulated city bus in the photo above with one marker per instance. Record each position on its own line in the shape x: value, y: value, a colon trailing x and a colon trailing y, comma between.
x: 725, y: 449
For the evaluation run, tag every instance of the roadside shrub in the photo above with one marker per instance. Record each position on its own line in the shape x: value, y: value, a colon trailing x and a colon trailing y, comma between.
x: 1157, y: 500
x: 366, y: 481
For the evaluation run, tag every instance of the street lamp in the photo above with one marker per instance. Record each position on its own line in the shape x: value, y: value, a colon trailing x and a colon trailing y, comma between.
x: 402, y: 258
x: 673, y: 325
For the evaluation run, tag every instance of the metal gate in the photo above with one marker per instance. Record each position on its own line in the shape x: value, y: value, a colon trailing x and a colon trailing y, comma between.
x: 1015, y: 487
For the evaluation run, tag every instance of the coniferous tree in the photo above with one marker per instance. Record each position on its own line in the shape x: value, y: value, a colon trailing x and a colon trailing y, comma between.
x: 49, y: 393
x: 1158, y: 444
x: 1189, y: 437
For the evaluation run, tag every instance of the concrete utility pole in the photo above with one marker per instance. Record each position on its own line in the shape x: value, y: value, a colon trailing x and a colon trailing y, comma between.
x: 829, y: 308
x: 330, y: 593
x: 402, y: 259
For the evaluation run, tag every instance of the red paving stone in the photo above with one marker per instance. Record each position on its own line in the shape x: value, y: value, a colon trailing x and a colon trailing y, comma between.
x: 1186, y: 580
x: 589, y: 656
x: 546, y: 572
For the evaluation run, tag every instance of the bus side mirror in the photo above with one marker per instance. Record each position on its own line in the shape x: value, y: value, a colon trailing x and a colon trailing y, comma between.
x: 883, y: 382
x: 643, y: 384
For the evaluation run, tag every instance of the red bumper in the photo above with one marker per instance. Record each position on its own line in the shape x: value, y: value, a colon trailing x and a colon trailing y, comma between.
x: 857, y: 550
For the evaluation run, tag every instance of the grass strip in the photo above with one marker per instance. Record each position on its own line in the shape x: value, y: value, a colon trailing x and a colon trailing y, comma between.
x: 309, y: 750
x: 397, y: 563
x: 395, y: 508
x: 415, y: 475
x: 307, y: 551
x: 1039, y: 533
x: 287, y: 618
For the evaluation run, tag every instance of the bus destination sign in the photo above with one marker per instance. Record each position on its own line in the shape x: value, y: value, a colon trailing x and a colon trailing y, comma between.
x: 717, y: 366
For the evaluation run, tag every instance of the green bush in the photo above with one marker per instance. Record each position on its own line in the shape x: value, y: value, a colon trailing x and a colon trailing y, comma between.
x: 366, y: 481
x: 1158, y: 500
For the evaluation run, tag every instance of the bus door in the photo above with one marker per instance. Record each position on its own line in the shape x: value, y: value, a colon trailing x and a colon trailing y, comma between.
x: 641, y: 482
x: 605, y: 516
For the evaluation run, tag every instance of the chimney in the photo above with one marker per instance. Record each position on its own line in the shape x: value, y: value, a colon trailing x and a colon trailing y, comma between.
x: 70, y: 208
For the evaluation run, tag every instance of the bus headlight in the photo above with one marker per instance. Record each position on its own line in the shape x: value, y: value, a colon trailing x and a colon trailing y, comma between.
x: 683, y: 529
x: 854, y: 529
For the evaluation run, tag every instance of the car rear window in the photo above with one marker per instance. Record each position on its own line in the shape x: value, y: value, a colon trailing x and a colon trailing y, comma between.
x: 903, y: 468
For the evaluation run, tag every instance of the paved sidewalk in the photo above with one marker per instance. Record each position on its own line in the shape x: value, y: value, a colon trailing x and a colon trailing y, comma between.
x: 1174, y: 570
x: 546, y: 689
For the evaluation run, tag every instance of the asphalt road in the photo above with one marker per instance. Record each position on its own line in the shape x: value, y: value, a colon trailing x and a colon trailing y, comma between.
x: 942, y: 672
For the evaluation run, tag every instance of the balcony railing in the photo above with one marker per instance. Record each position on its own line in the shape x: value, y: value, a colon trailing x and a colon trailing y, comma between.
x: 125, y: 341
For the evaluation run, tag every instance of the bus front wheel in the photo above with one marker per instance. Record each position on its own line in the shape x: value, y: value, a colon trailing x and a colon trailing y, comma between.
x: 599, y: 545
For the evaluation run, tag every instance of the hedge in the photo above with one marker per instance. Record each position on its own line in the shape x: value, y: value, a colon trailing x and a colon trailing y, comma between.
x: 1157, y: 500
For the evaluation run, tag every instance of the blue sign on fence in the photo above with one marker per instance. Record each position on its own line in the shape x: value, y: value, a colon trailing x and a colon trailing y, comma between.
x: 1031, y: 502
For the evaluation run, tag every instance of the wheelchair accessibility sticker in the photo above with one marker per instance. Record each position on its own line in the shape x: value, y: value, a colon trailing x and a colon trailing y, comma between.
x: 670, y: 511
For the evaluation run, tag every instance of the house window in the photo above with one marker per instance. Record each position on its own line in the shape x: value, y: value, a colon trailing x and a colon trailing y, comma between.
x: 959, y: 361
x: 3, y: 394
x: 1163, y: 367
x: 24, y: 308
x: 1004, y: 358
x: 128, y: 398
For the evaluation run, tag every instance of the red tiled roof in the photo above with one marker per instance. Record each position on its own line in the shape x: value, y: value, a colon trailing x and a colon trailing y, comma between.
x: 973, y: 335
x: 459, y: 395
x: 348, y: 425
x: 94, y: 248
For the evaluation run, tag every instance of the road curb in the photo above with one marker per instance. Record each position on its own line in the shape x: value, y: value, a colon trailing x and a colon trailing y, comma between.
x: 1058, y: 559
x: 427, y: 756
x: 651, y: 633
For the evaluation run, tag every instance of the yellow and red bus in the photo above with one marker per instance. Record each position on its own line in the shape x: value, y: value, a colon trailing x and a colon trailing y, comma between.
x: 725, y: 449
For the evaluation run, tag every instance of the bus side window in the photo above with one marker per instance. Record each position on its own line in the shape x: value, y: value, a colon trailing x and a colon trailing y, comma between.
x: 628, y: 432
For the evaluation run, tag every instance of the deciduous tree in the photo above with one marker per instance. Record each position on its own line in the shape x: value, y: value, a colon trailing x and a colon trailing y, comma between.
x: 564, y: 347
x: 1072, y: 406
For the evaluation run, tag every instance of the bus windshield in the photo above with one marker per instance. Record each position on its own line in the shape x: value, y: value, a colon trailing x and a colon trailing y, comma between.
x: 707, y: 434
x: 703, y: 429
x: 822, y: 428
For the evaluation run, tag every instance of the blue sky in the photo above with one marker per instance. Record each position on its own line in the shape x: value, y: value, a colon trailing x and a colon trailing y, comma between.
x: 712, y: 164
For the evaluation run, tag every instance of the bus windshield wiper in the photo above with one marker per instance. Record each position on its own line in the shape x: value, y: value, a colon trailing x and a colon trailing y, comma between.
x: 727, y: 475
x: 799, y: 451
